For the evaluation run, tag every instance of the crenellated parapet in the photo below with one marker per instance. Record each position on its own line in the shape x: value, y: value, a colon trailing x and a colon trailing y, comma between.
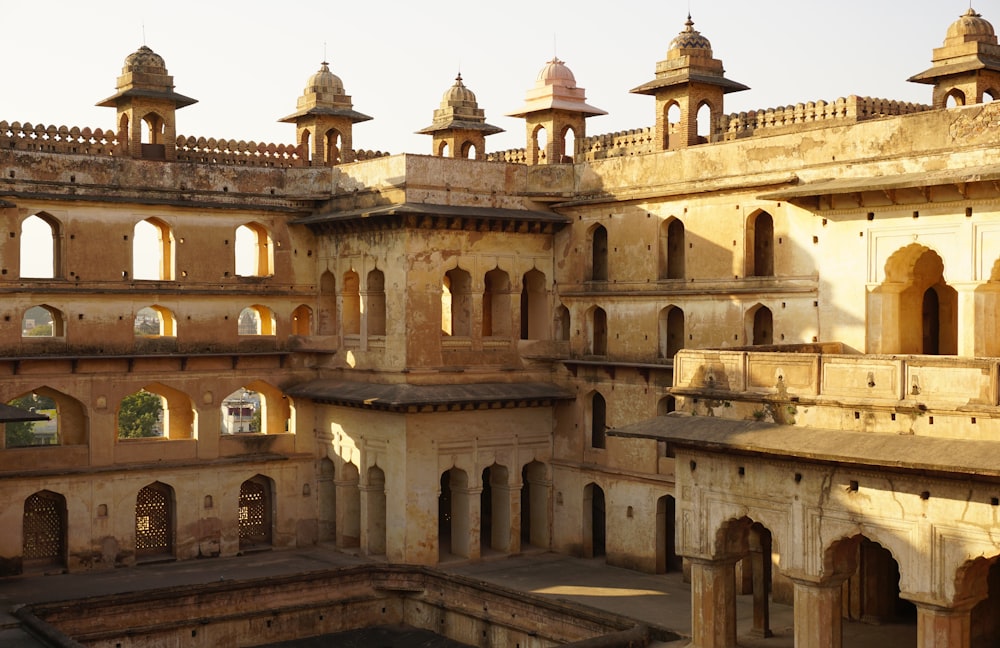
x: 637, y: 141
x: 238, y: 152
x: 802, y: 115
x: 513, y: 156
x: 58, y: 139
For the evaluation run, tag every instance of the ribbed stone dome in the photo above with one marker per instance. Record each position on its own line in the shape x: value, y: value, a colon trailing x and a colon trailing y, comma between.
x: 555, y: 72
x: 325, y: 81
x: 458, y: 93
x: 690, y: 38
x: 144, y: 60
x: 971, y: 27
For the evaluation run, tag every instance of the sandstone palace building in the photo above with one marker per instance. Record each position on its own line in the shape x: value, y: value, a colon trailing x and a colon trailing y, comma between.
x: 761, y: 347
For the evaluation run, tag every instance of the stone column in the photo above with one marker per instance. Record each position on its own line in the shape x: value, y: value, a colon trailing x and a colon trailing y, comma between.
x: 940, y: 627
x: 818, y: 622
x: 713, y: 603
x: 760, y: 562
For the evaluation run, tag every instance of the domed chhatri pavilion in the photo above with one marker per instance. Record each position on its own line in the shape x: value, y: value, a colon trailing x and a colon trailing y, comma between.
x: 760, y: 348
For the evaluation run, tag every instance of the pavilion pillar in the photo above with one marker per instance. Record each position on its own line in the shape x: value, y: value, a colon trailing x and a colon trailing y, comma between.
x: 713, y: 603
x: 940, y: 627
x: 818, y: 612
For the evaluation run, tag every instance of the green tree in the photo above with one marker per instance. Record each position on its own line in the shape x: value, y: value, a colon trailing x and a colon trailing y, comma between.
x: 255, y: 420
x: 138, y: 415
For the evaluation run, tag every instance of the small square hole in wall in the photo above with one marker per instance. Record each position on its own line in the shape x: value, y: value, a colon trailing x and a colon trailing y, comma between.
x: 995, y: 501
x: 871, y: 216
x: 968, y: 212
x: 925, y: 495
x: 798, y: 477
x: 853, y: 486
x: 930, y: 420
x: 742, y: 471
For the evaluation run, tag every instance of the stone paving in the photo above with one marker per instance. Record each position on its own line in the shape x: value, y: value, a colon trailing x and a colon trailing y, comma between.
x: 663, y: 601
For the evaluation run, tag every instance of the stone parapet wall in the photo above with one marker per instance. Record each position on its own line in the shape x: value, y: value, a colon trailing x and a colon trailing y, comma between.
x: 802, y: 115
x: 637, y: 141
x: 58, y: 139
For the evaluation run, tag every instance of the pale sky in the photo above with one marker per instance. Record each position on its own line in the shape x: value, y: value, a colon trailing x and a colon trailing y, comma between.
x: 247, y: 62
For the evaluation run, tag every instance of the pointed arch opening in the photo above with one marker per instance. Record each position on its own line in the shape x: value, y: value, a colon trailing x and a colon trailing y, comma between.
x: 156, y: 411
x: 539, y: 144
x: 44, y: 531
x: 594, y: 522
x: 302, y: 320
x: 672, y: 126
x: 256, y: 320
x: 566, y: 145
x: 256, y: 513
x: 327, y: 303
x: 153, y: 251
x: 916, y: 308
x: 376, y: 512
x: 954, y: 98
x: 535, y: 488
x: 871, y: 592
x: 598, y: 253
x: 351, y: 300
x: 597, y: 331
x: 43, y: 321
x: 332, y: 147
x: 979, y: 580
x: 495, y: 530
x: 349, y: 507
x: 670, y: 328
x: 154, y: 321
x: 760, y: 326
x: 496, y: 304
x: 468, y: 151
x: 670, y: 261
x: 534, y: 306
x: 597, y: 417
x: 454, y: 519
x: 254, y: 251
x: 258, y: 408
x: 40, y: 247
x: 456, y: 303
x: 67, y: 424
x: 562, y: 323
x: 154, y: 522
x: 760, y: 245
x: 326, y: 483
x: 375, y: 303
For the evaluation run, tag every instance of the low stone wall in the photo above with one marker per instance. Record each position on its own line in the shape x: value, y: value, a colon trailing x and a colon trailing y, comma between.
x: 261, y: 611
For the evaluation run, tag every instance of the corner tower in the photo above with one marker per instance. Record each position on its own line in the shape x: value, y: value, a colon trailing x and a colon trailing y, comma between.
x: 324, y: 119
x: 557, y: 106
x: 146, y: 96
x: 460, y: 124
x: 687, y: 79
x: 967, y: 66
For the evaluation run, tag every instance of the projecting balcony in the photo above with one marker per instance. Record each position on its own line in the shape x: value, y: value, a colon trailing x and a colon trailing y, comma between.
x: 825, y: 375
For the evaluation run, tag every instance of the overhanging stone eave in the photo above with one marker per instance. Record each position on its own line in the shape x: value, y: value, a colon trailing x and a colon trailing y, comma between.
x: 952, y: 458
x: 652, y: 87
x: 840, y: 186
x: 425, y: 209
x: 180, y: 100
x: 405, y: 396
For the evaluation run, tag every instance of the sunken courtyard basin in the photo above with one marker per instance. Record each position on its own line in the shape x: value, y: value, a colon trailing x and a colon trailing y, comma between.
x: 257, y: 612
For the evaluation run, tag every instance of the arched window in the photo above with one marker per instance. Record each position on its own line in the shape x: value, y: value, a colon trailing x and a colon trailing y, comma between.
x: 762, y: 332
x: 154, y: 521
x: 331, y: 150
x: 954, y: 98
x: 496, y: 304
x: 534, y: 306
x: 760, y: 245
x: 539, y: 142
x: 665, y: 405
x: 156, y: 411
x: 442, y: 149
x: 67, y: 424
x: 256, y: 513
x: 990, y: 95
x: 256, y: 320
x: 152, y: 251
x: 704, y: 122
x: 155, y: 321
x: 256, y: 407
x: 456, y: 314
x: 469, y: 151
x: 151, y: 138
x: 594, y: 521
x: 562, y: 323
x: 567, y: 145
x: 44, y: 531
x: 376, y: 518
x: 375, y: 302
x: 327, y: 304
x: 671, y: 248
x: 599, y: 254
x: 916, y: 309
x: 672, y: 126
x: 352, y: 303
x: 598, y: 420
x: 305, y: 142
x: 40, y: 247
x: 597, y: 332
x: 43, y: 321
x: 302, y: 320
x: 254, y: 251
x: 671, y: 332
